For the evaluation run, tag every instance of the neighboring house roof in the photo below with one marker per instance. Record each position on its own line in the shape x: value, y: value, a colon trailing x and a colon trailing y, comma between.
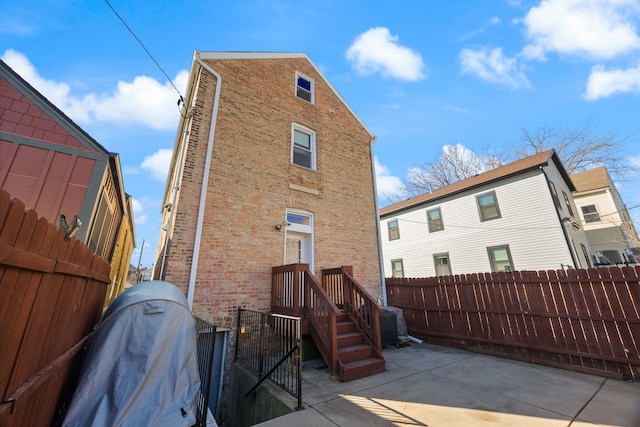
x: 49, y: 108
x: 593, y: 179
x: 511, y: 169
x: 280, y: 55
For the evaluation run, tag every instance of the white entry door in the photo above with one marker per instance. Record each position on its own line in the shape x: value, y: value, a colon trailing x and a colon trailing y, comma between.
x: 299, y: 238
x: 296, y: 249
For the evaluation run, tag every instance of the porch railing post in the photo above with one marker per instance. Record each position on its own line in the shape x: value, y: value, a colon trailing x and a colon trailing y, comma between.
x: 347, y: 291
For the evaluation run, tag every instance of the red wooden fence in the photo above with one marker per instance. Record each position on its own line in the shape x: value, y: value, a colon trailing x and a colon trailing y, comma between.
x: 51, y: 296
x: 583, y: 320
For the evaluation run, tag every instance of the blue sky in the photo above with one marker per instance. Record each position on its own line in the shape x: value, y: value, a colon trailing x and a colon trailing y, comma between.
x: 419, y: 74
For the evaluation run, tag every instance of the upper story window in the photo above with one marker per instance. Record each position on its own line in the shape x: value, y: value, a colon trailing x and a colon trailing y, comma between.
x: 394, y: 231
x: 434, y: 218
x: 554, y: 195
x: 305, y: 88
x: 567, y: 202
x: 590, y: 213
x: 303, y: 147
x: 488, y: 206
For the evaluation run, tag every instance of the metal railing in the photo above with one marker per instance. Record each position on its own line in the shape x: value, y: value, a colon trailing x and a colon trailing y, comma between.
x: 205, y: 342
x: 269, y: 346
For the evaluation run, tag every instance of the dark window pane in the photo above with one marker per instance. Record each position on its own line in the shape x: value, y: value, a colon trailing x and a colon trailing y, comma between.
x: 304, y: 83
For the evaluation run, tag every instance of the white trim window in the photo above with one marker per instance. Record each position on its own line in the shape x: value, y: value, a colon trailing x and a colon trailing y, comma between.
x: 500, y: 258
x: 394, y: 229
x: 305, y: 88
x: 488, y: 206
x: 303, y: 146
x: 434, y: 219
x: 590, y: 213
x: 397, y: 268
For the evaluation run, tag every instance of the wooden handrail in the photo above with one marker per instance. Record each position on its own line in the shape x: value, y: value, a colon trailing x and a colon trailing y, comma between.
x: 286, y: 289
x: 356, y: 301
x: 322, y: 314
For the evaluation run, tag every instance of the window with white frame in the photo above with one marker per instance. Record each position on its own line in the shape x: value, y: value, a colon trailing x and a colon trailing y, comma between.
x: 434, y: 219
x: 500, y: 258
x: 567, y: 202
x: 394, y: 230
x: 441, y: 262
x: 305, y: 88
x: 303, y: 146
x: 488, y: 206
x: 397, y: 269
x: 590, y: 213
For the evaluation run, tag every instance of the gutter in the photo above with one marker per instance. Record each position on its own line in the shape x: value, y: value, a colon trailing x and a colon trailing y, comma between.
x: 205, y: 182
x: 375, y: 200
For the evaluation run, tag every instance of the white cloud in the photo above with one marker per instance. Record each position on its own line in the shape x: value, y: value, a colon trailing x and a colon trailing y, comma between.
x: 493, y: 67
x: 158, y: 164
x: 143, y: 101
x: 138, y: 212
x: 603, y: 83
x: 387, y: 184
x: 634, y: 161
x: 599, y: 29
x: 376, y: 50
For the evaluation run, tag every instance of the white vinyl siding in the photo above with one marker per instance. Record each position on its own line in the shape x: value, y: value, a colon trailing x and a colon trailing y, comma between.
x: 529, y: 224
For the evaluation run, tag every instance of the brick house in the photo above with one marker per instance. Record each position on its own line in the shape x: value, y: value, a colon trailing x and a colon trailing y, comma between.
x: 270, y: 167
x: 605, y: 218
x: 54, y: 167
x: 519, y: 216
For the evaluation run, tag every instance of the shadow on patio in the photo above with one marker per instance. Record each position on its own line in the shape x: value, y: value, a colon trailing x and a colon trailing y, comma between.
x: 428, y: 385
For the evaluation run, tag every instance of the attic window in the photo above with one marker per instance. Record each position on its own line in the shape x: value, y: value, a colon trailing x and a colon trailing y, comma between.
x: 305, y: 88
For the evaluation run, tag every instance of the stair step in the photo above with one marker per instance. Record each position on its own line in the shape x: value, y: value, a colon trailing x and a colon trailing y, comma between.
x: 349, y: 339
x: 361, y: 368
x: 344, y: 327
x: 354, y: 352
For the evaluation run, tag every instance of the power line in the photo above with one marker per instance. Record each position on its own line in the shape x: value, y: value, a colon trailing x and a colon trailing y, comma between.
x: 146, y: 50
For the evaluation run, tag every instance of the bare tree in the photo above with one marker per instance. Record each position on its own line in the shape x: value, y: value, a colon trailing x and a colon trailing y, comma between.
x: 455, y: 163
x: 579, y: 149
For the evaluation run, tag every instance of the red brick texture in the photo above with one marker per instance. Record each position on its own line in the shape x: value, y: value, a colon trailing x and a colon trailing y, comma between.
x: 249, y: 188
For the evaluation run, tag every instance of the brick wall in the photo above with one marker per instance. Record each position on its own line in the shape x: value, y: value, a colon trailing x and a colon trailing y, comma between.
x: 249, y: 187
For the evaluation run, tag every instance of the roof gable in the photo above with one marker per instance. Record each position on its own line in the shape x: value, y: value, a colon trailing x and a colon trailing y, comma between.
x: 31, y: 115
x: 494, y: 175
x: 592, y: 179
x: 283, y: 55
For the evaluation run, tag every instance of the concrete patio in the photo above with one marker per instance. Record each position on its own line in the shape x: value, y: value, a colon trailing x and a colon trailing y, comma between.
x: 427, y: 385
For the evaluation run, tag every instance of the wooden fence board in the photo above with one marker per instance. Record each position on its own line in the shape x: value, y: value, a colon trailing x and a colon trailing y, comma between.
x: 51, y: 296
x: 585, y: 320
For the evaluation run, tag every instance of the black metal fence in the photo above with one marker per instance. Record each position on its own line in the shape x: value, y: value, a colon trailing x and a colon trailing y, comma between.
x: 269, y: 345
x: 205, y: 341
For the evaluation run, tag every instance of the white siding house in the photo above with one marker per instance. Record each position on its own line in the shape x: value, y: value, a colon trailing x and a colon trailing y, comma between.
x: 605, y: 218
x: 520, y: 216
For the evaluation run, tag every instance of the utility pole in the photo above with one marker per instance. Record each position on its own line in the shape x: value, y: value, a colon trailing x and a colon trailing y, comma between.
x: 139, y: 258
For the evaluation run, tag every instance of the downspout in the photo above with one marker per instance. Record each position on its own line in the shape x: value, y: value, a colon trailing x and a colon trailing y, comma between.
x: 205, y: 182
x: 176, y: 187
x: 375, y: 199
x: 567, y: 238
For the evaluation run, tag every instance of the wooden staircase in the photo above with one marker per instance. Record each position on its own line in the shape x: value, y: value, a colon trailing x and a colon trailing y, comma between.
x: 338, y: 313
x: 357, y: 358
